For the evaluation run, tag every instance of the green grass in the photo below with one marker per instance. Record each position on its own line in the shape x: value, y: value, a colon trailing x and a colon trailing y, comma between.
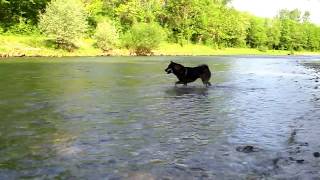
x: 36, y: 45
x: 41, y: 46
x: 194, y: 50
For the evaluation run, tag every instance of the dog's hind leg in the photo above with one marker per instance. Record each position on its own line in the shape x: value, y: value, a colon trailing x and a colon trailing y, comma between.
x: 206, y: 82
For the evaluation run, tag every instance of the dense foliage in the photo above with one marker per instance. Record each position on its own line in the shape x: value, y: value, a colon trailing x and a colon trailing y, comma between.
x: 209, y: 22
x: 13, y: 11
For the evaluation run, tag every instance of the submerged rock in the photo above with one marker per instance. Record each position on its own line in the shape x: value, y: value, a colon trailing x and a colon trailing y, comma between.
x: 112, y: 161
x: 156, y: 161
x: 304, y: 144
x: 316, y: 154
x: 300, y: 161
x: 246, y: 149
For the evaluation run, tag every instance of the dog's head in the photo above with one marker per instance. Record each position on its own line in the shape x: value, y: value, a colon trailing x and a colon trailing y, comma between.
x: 173, y: 67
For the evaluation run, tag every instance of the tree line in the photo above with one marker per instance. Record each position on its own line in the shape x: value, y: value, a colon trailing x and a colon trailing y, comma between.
x: 142, y: 24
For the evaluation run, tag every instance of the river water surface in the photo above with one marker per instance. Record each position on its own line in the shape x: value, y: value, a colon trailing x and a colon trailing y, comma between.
x: 123, y: 118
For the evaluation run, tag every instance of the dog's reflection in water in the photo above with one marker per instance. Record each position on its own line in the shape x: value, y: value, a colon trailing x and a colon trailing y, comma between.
x: 188, y: 90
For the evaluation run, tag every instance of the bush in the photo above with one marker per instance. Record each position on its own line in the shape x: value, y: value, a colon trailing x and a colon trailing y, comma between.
x: 106, y: 36
x: 263, y: 48
x: 65, y: 21
x: 143, y: 37
x: 24, y: 27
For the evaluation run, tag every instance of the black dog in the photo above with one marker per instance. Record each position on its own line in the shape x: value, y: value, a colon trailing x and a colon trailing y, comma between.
x: 189, y: 74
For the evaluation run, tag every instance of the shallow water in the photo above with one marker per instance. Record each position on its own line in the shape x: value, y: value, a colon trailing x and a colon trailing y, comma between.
x: 122, y: 118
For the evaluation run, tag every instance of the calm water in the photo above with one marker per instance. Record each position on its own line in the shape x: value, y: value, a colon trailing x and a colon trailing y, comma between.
x: 122, y: 118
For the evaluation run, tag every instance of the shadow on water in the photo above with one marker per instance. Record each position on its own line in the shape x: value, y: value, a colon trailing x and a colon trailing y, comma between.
x: 191, y: 90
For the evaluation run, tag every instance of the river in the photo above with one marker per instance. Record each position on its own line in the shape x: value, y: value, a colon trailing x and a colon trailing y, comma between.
x: 123, y: 118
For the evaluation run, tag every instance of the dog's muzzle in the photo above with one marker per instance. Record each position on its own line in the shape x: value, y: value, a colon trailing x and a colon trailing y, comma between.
x: 168, y: 70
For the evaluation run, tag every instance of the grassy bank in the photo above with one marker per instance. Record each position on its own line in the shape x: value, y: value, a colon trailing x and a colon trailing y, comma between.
x: 15, y: 46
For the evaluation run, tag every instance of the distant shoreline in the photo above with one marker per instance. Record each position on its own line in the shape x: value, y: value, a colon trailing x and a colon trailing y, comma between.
x: 229, y: 52
x: 35, y: 46
x: 4, y: 56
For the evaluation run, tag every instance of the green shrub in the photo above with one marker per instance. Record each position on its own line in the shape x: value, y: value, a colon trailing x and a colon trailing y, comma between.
x: 24, y: 27
x: 106, y: 36
x: 65, y: 21
x: 263, y: 48
x: 291, y: 52
x: 143, y: 37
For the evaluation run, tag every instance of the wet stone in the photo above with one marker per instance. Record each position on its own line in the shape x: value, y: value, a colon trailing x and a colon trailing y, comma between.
x: 156, y: 161
x: 181, y: 167
x: 197, y: 169
x: 300, y: 161
x: 282, y: 161
x: 316, y: 154
x: 166, y: 178
x: 246, y: 149
x: 304, y: 144
x: 204, y: 176
x: 291, y: 158
x: 112, y: 161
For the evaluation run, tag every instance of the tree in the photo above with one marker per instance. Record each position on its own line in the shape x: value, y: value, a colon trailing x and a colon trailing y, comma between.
x: 65, y: 21
x: 292, y: 37
x: 203, y: 21
x: 222, y: 2
x: 256, y: 35
x: 312, y: 35
x: 135, y: 11
x: 306, y: 17
x: 179, y: 15
x: 226, y: 27
x: 273, y: 32
x: 12, y: 11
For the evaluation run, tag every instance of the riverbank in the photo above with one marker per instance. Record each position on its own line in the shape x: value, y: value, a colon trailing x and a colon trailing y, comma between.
x: 38, y: 46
